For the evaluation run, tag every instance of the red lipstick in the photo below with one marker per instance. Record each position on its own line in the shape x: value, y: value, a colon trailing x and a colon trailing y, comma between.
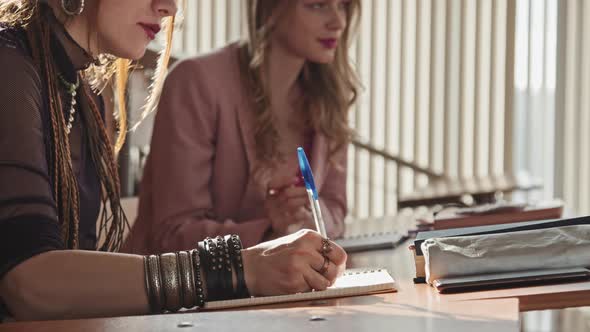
x: 151, y: 30
x: 329, y: 43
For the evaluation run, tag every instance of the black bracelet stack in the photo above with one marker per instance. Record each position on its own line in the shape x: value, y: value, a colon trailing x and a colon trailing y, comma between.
x: 215, y: 254
x: 173, y: 280
x: 235, y: 248
x: 225, y: 268
x: 219, y: 257
x: 199, y: 291
x: 207, y: 255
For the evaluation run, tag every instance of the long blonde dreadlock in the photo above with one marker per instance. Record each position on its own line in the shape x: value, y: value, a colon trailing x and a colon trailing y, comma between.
x: 64, y: 180
x: 26, y: 14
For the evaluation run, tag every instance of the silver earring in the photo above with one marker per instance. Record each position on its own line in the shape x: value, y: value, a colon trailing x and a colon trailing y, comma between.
x: 66, y: 6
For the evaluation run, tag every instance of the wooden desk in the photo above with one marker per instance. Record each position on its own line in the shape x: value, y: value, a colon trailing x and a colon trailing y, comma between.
x: 557, y: 296
x: 412, y: 308
x: 377, y: 315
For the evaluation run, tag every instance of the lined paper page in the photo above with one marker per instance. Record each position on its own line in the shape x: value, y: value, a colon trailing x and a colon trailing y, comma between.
x: 353, y: 282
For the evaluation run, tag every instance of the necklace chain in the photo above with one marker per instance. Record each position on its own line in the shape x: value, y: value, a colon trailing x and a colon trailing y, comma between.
x: 71, y: 89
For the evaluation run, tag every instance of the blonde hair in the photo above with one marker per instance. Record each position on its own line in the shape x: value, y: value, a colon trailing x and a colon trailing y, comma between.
x: 329, y: 89
x: 25, y: 14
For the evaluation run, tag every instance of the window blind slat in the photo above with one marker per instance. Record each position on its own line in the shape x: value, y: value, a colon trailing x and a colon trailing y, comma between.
x: 422, y: 88
x: 584, y: 114
x: 452, y: 87
x: 437, y: 85
x: 467, y: 83
x: 571, y: 104
x: 482, y: 87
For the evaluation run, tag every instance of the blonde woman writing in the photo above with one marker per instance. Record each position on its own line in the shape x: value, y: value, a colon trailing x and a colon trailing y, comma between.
x: 223, y: 154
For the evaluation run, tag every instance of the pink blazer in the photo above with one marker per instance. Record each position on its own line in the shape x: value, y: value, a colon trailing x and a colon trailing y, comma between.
x: 197, y: 180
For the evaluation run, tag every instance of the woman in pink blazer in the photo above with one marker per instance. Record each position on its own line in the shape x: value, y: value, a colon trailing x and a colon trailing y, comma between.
x: 223, y: 153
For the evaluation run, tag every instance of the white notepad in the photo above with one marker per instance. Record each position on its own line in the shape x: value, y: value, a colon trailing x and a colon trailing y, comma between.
x: 352, y: 283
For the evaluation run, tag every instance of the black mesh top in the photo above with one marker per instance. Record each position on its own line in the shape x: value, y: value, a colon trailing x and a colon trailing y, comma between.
x: 29, y: 224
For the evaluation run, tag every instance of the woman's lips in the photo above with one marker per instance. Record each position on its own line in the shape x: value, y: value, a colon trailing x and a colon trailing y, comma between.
x: 329, y: 43
x: 151, y: 30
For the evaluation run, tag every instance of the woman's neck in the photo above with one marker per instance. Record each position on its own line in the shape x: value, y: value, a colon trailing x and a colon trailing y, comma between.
x: 282, y: 70
x: 77, y: 27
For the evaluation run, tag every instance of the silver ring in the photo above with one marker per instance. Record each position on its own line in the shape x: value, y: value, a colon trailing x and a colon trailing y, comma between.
x: 326, y: 246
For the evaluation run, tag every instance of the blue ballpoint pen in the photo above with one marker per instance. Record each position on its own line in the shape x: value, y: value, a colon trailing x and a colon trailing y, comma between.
x: 312, y: 192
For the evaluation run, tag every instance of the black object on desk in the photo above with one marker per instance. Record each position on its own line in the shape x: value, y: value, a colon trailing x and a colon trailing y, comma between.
x: 510, y: 279
x: 371, y: 241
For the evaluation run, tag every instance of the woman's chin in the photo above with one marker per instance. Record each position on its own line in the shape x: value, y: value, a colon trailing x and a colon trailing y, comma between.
x: 136, y: 55
x: 322, y: 60
x: 131, y: 54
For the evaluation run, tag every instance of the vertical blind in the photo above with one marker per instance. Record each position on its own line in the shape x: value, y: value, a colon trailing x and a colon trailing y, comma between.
x: 210, y: 24
x: 438, y: 89
x: 456, y: 86
x: 572, y: 116
x: 534, y: 90
x: 552, y: 97
x: 534, y: 86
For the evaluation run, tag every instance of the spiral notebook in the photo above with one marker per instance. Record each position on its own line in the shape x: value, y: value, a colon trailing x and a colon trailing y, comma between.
x: 352, y: 283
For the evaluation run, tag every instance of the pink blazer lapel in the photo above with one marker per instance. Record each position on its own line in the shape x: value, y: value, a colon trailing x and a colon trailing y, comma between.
x: 256, y: 186
x: 246, y: 123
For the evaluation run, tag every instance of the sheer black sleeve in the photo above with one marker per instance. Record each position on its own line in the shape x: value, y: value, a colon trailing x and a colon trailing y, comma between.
x: 28, y: 214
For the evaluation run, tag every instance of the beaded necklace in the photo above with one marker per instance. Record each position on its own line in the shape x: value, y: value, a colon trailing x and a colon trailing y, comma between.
x: 71, y: 89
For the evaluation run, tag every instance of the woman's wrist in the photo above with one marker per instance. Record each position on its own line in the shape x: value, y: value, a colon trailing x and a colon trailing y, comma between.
x: 248, y: 255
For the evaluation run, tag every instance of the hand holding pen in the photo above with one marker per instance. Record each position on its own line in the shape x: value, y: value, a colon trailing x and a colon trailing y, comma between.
x: 327, y: 247
x: 297, y: 199
x: 287, y: 205
x: 314, y: 200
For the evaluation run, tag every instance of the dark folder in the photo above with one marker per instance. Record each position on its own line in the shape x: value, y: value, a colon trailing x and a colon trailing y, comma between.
x: 371, y: 241
x: 510, y: 279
